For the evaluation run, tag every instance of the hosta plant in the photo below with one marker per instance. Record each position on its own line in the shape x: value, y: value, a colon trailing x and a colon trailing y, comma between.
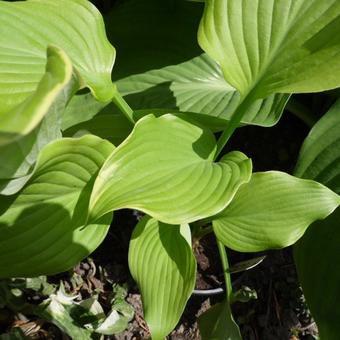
x: 66, y: 167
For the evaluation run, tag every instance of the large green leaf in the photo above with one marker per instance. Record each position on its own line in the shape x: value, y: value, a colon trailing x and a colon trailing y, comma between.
x: 217, y: 323
x: 165, y: 168
x: 28, y: 27
x: 317, y: 257
x: 320, y: 157
x: 272, y: 210
x: 271, y: 46
x: 145, y: 31
x: 28, y: 127
x: 162, y: 263
x: 43, y: 228
x: 317, y: 254
x: 197, y: 86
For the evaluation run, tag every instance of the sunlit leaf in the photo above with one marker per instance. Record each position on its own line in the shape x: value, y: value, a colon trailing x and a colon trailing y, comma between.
x: 274, y: 46
x: 162, y: 263
x: 272, y: 210
x: 165, y: 168
x: 28, y: 27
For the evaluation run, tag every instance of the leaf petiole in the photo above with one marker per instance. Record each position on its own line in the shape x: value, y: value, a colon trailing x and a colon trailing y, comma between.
x: 234, y: 121
x: 122, y: 105
x: 225, y: 267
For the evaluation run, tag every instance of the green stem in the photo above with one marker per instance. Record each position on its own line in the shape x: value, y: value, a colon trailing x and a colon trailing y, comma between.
x: 225, y: 267
x: 234, y: 122
x: 123, y: 106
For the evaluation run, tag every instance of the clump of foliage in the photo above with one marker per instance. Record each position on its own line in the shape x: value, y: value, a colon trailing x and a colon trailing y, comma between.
x: 146, y: 141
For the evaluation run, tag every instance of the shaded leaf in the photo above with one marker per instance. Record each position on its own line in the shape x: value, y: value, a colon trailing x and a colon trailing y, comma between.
x: 218, y: 324
x: 317, y: 257
x: 319, y: 157
x: 81, y: 108
x: 162, y: 263
x: 197, y: 86
x: 317, y: 254
x: 47, y: 219
x: 113, y: 127
x: 55, y: 312
x: 165, y: 168
x: 272, y: 211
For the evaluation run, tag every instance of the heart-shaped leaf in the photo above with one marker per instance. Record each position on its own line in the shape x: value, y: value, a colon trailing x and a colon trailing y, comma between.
x: 165, y: 168
x: 274, y: 46
x: 162, y: 263
x: 28, y: 127
x: 272, y: 210
x: 197, y: 86
x: 30, y: 26
x: 43, y: 228
x: 317, y: 255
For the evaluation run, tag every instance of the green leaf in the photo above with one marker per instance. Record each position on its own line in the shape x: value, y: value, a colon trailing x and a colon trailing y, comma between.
x: 43, y: 228
x: 317, y: 258
x: 218, y: 324
x: 153, y: 37
x: 113, y: 127
x: 81, y: 108
x: 30, y: 26
x: 162, y: 263
x: 55, y: 312
x: 22, y: 119
x: 272, y: 211
x: 274, y: 46
x: 165, y: 168
x: 317, y: 255
x: 196, y: 86
x: 28, y: 127
x: 319, y: 157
